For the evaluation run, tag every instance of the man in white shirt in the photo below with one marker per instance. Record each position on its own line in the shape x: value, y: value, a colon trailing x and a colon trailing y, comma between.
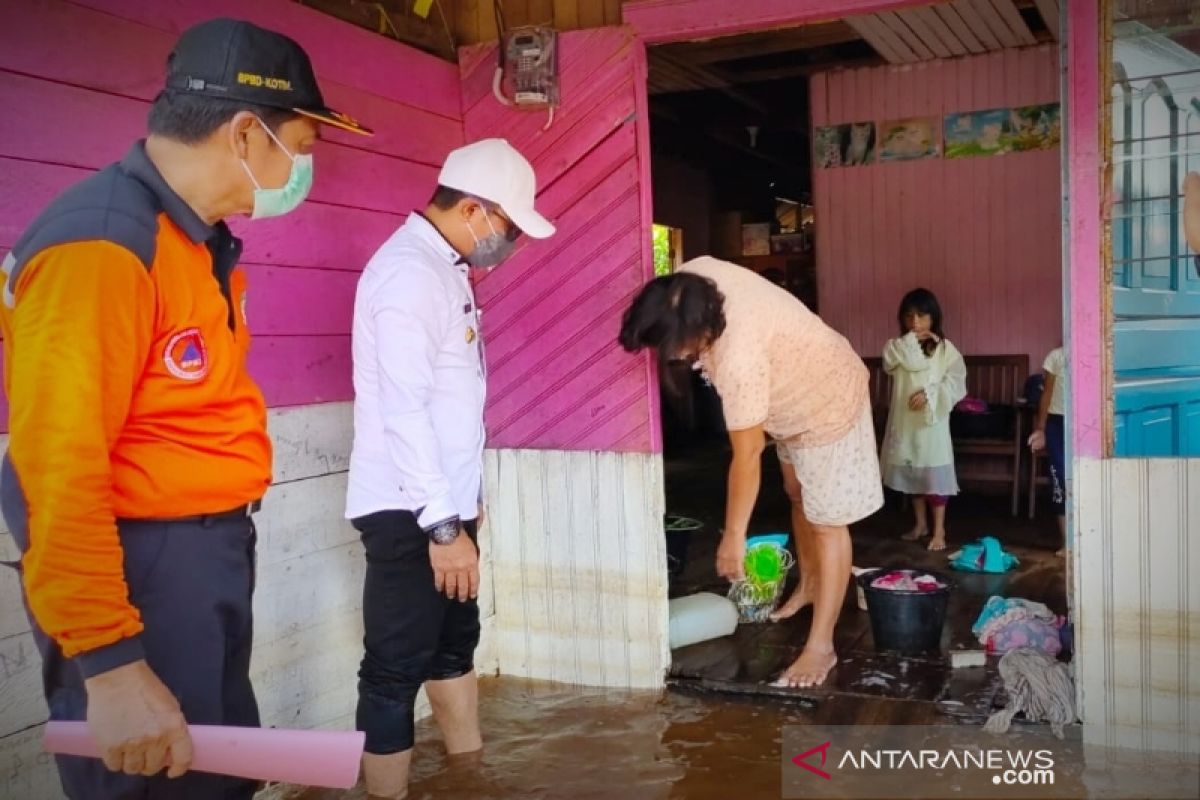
x: 415, y: 486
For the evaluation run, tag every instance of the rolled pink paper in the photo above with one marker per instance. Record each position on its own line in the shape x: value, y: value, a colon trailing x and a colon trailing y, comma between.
x: 328, y: 759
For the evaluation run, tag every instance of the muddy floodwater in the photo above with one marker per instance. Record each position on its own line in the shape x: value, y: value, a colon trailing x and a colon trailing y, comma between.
x: 549, y: 741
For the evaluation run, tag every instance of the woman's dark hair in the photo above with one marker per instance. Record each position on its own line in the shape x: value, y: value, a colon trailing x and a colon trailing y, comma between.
x: 922, y: 301
x: 670, y: 314
x: 191, y: 118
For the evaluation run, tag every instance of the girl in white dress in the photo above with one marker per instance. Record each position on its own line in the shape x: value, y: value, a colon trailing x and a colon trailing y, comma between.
x: 928, y: 379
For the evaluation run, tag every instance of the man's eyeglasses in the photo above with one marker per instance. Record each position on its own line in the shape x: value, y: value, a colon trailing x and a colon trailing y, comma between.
x: 513, y: 232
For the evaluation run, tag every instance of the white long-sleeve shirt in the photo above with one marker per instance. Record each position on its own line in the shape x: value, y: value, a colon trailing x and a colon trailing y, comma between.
x: 419, y: 382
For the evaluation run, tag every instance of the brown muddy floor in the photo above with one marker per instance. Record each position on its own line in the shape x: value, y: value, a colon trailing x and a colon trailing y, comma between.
x: 717, y: 732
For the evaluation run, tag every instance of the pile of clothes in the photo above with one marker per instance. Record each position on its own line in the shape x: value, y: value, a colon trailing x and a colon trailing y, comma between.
x: 904, y: 580
x: 1007, y: 623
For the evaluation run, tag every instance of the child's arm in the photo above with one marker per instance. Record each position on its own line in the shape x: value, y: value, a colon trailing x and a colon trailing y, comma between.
x: 942, y: 395
x: 905, y: 353
x: 1037, y: 439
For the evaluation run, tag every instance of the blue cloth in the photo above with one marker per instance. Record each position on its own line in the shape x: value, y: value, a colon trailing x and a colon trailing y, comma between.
x: 986, y: 555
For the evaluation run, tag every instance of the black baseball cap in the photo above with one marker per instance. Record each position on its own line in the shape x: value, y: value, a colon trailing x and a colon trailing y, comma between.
x: 237, y: 60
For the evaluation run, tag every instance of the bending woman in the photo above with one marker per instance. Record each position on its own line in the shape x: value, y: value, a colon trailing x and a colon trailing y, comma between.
x: 779, y: 371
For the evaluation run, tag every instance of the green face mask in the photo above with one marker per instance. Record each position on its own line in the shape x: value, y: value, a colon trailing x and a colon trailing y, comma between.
x: 277, y: 202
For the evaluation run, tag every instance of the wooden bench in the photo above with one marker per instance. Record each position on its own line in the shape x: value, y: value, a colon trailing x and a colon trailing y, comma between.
x: 998, y: 380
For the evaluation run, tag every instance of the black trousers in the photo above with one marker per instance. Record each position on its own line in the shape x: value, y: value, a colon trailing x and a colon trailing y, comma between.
x: 192, y: 583
x: 413, y: 633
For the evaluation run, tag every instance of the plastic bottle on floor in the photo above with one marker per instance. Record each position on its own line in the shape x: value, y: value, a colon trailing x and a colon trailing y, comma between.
x: 700, y: 617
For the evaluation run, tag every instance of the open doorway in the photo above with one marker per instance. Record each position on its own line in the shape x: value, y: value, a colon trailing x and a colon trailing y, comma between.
x: 851, y: 161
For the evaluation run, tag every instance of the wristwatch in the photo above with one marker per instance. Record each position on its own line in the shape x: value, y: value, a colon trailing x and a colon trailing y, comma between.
x: 445, y: 532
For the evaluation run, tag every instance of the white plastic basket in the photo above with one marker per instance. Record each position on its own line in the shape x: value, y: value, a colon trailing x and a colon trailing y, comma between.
x: 756, y: 601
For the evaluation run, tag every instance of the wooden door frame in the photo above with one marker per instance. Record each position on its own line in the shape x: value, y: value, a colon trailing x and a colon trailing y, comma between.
x: 1084, y: 302
x: 1085, y: 290
x: 663, y: 21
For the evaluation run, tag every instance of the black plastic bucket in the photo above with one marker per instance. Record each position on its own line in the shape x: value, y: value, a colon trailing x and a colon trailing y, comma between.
x: 906, y: 622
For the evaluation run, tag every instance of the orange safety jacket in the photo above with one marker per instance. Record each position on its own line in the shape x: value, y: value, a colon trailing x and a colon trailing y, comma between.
x: 125, y: 347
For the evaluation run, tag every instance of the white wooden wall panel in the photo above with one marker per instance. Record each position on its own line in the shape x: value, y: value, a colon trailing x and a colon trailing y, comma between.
x: 1138, y: 602
x: 579, y: 566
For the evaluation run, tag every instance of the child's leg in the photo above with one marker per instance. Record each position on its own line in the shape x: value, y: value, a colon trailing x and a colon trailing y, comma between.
x: 1056, y: 447
x: 921, y: 529
x: 938, y: 503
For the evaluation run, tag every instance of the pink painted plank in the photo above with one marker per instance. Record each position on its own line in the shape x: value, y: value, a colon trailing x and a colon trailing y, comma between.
x: 600, y: 166
x: 317, y: 235
x: 344, y: 175
x: 401, y: 130
x: 588, y: 310
x: 1085, y: 276
x: 553, y: 311
x: 293, y: 301
x: 25, y: 189
x: 55, y: 135
x: 599, y: 381
x: 602, y: 426
x: 137, y: 55
x: 340, y: 51
x: 549, y: 288
x: 658, y: 21
x: 133, y: 67
x: 553, y: 153
x: 470, y: 58
x: 649, y: 366
x: 301, y: 370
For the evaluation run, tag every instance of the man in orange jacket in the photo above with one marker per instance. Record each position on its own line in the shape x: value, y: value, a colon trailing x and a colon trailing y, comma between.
x: 138, y: 446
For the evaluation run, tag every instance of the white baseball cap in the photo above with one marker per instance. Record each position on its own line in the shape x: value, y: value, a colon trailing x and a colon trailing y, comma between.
x: 493, y: 170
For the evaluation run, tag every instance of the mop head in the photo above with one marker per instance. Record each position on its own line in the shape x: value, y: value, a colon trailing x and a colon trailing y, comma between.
x: 1038, y: 686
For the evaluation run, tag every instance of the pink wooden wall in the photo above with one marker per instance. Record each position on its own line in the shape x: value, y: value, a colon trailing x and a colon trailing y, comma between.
x: 1091, y: 409
x: 78, y: 78
x: 984, y: 233
x: 557, y: 378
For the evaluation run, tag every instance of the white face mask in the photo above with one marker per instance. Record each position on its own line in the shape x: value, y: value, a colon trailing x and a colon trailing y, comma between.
x: 277, y: 202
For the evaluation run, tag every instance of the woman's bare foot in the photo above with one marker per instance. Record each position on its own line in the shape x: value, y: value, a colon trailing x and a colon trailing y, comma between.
x: 915, y: 535
x: 810, y: 669
x: 938, y: 542
x: 1060, y: 552
x: 800, y: 598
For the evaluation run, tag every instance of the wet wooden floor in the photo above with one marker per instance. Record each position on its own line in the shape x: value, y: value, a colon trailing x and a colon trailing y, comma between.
x: 745, y: 663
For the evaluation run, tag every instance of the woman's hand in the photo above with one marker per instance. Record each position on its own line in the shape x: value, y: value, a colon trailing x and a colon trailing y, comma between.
x: 731, y: 557
x: 1037, y: 441
x: 918, y: 401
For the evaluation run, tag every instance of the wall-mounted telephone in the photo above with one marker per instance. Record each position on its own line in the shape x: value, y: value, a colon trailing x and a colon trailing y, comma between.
x: 527, y: 75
